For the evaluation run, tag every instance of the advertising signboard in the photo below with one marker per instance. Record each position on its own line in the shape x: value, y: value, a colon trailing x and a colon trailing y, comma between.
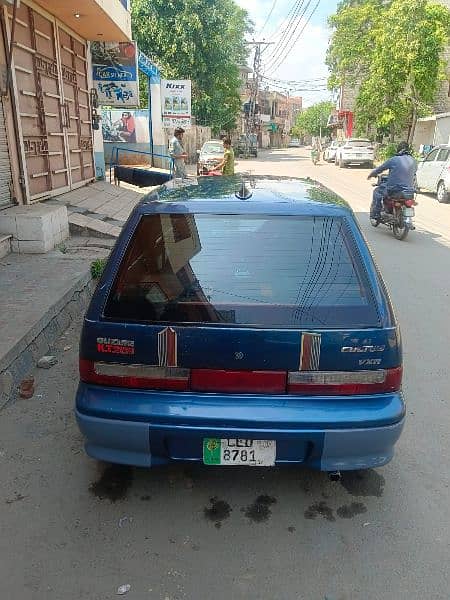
x: 176, y: 103
x: 115, y: 73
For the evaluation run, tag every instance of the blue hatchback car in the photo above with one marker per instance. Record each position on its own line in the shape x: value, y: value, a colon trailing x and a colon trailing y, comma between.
x: 241, y: 325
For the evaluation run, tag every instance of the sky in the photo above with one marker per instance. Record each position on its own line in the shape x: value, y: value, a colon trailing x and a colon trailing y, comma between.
x: 306, y: 60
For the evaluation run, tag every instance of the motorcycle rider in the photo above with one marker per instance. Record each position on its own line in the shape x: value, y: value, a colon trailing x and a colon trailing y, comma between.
x: 402, y: 171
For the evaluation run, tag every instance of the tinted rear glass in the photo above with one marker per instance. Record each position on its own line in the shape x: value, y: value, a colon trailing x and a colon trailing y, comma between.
x: 263, y: 271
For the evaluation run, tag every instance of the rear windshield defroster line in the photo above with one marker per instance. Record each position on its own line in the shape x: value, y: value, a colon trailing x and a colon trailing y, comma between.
x: 243, y: 270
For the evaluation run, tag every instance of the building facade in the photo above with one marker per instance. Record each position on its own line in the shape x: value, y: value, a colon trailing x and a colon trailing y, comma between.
x: 47, y: 100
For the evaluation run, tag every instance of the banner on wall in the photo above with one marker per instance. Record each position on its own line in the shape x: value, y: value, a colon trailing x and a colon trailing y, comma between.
x: 115, y: 73
x: 176, y: 103
x: 125, y: 126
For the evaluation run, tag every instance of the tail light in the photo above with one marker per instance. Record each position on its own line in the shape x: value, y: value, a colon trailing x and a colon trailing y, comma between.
x: 134, y: 376
x: 308, y: 383
x: 344, y: 383
x: 410, y: 202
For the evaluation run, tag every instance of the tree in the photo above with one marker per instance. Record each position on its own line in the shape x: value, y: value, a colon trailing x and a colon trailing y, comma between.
x: 201, y: 40
x: 393, y: 50
x: 313, y: 120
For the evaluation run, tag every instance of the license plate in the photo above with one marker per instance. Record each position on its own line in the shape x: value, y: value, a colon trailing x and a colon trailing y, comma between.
x: 408, y: 212
x: 228, y: 452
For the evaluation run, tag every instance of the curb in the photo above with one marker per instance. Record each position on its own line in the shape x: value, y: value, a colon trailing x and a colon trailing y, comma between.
x: 22, y: 358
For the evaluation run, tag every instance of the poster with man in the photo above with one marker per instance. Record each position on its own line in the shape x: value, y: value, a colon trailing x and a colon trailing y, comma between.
x: 176, y: 103
x: 115, y: 73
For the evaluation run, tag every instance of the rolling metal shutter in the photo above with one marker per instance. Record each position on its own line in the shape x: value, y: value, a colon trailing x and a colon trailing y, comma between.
x: 5, y: 165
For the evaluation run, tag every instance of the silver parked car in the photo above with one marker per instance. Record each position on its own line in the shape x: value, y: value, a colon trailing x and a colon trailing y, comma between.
x: 433, y: 173
x: 329, y: 153
x: 209, y: 156
x: 355, y: 151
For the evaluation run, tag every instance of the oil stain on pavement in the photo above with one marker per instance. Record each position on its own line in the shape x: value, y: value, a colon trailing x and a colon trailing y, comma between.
x: 218, y: 511
x: 363, y: 483
x: 114, y: 483
x: 260, y: 511
x: 319, y: 509
x: 351, y: 510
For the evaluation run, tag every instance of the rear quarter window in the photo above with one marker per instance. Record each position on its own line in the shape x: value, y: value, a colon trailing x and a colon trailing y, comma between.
x: 243, y: 270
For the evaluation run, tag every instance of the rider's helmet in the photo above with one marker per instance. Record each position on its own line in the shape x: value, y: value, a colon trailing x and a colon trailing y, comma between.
x: 403, y: 148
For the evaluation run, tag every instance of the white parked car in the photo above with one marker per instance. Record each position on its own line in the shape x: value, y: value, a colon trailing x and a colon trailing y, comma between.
x: 433, y: 174
x: 355, y: 151
x: 329, y: 153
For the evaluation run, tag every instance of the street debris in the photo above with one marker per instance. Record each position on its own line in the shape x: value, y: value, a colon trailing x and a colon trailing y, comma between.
x: 123, y: 589
x: 26, y: 388
x: 17, y: 498
x: 124, y: 519
x: 47, y: 361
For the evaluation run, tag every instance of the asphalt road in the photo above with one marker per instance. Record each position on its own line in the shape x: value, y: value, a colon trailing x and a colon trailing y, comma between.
x: 73, y: 529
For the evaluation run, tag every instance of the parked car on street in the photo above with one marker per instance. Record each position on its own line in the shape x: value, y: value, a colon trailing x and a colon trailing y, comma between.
x: 329, y: 153
x: 209, y: 156
x: 294, y: 143
x: 247, y: 145
x: 241, y: 325
x: 433, y: 173
x: 355, y: 152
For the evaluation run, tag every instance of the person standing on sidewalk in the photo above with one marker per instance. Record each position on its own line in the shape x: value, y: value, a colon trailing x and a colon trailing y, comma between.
x: 178, y: 153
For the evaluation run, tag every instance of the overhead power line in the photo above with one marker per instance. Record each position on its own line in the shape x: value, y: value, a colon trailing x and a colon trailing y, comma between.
x: 290, y: 43
x: 285, y: 30
x: 275, y: 64
x: 280, y: 31
x: 289, y: 33
x: 272, y: 8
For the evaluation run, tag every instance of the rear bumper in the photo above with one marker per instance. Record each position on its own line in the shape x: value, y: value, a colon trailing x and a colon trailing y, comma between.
x: 156, y: 428
x: 357, y: 161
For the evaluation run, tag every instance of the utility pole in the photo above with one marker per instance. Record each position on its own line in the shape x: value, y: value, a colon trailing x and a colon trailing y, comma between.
x: 251, y: 121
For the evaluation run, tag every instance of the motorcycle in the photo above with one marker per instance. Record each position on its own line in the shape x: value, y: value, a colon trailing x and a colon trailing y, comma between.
x: 315, y: 156
x: 397, y: 211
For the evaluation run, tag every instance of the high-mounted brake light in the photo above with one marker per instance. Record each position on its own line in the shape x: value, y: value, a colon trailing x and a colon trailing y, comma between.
x: 343, y: 383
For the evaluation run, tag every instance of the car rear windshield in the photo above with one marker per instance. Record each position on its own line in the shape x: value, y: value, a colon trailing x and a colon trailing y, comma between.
x: 261, y: 271
x: 359, y: 143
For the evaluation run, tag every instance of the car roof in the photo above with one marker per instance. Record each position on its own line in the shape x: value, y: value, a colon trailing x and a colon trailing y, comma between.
x: 269, y: 195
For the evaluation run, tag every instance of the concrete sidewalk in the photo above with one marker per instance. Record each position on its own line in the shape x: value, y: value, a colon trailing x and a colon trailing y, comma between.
x: 99, y: 209
x: 40, y: 294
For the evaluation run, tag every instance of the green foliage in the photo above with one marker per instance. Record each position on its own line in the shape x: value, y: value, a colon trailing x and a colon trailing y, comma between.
x: 201, y: 40
x: 97, y: 267
x: 393, y: 50
x: 387, y: 151
x: 312, y: 119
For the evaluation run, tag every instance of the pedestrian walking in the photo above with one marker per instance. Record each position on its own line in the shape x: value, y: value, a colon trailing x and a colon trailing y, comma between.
x: 178, y: 153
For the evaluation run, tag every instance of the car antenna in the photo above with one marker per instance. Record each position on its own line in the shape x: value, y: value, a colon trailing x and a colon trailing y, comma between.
x: 243, y: 193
